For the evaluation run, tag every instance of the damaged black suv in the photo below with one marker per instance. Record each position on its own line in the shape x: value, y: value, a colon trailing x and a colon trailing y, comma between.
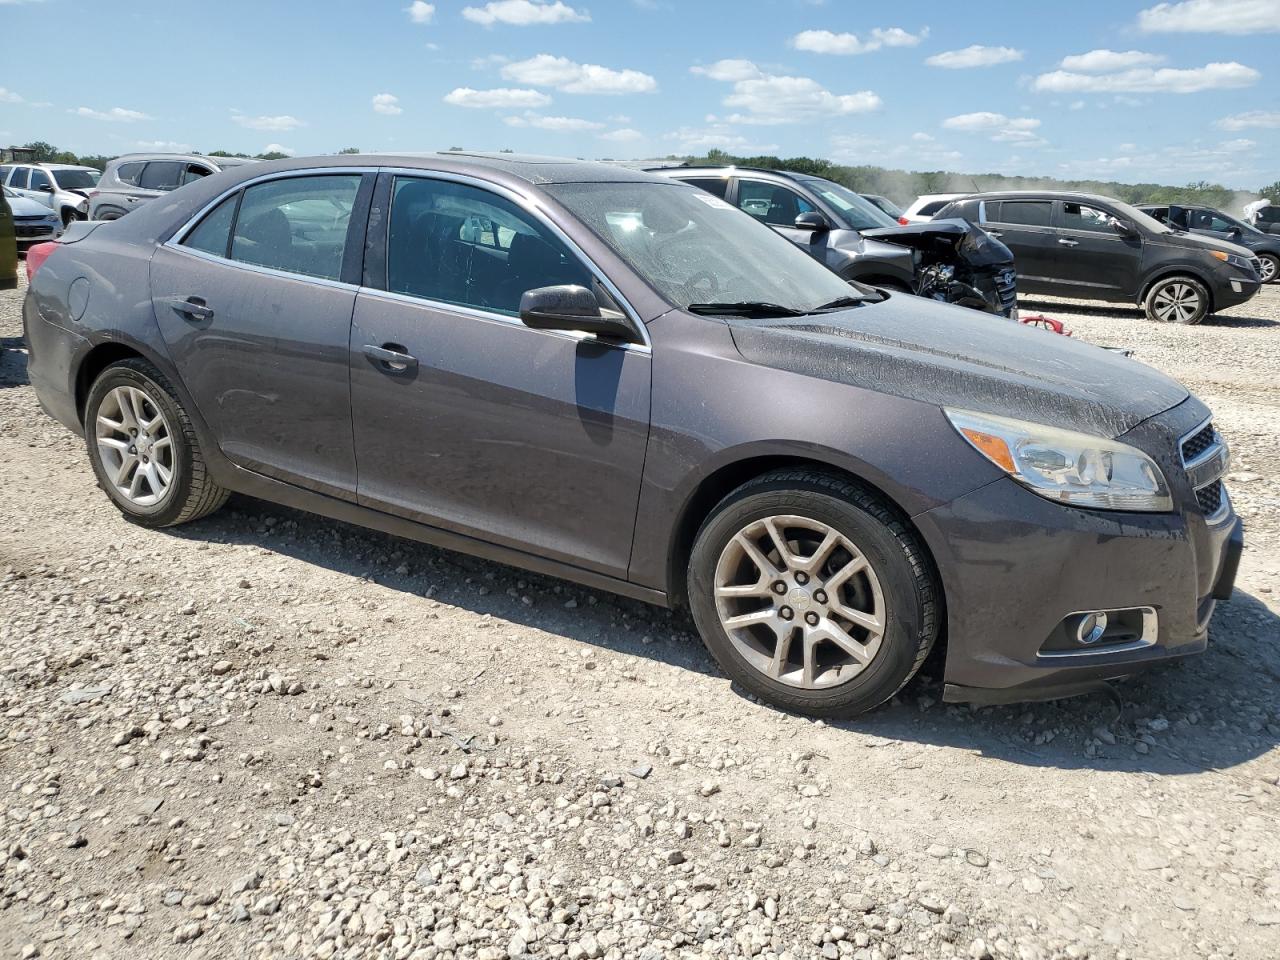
x: 948, y: 260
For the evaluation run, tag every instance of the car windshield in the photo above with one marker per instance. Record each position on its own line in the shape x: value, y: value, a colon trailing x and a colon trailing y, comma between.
x: 76, y: 179
x: 10, y: 193
x: 857, y: 212
x: 1138, y: 217
x: 694, y: 248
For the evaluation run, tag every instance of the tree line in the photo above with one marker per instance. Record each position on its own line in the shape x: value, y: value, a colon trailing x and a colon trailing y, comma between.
x: 43, y: 152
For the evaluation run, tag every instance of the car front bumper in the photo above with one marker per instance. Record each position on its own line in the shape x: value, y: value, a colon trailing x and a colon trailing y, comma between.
x: 1017, y: 567
x: 1235, y: 291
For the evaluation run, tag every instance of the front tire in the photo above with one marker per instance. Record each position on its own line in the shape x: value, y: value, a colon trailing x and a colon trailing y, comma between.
x: 1270, y: 267
x: 1177, y: 300
x: 813, y: 594
x: 144, y: 449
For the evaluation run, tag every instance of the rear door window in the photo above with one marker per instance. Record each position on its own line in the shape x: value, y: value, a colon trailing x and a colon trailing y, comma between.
x: 161, y: 175
x: 213, y: 233
x: 4, y: 172
x: 129, y: 172
x: 1031, y: 213
x: 19, y: 181
x: 455, y: 243
x: 296, y: 224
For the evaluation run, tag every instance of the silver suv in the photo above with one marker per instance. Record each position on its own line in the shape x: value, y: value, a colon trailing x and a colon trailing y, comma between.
x: 62, y: 187
x: 135, y: 178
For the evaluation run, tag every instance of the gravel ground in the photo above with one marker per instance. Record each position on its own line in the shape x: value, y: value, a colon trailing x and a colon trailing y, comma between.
x: 270, y: 735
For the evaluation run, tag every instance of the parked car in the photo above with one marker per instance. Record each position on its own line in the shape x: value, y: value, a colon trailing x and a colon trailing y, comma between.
x: 1207, y: 222
x: 952, y: 261
x: 927, y: 206
x: 885, y: 204
x: 32, y: 222
x: 63, y: 188
x: 135, y: 178
x: 1263, y: 215
x: 602, y: 375
x: 1096, y: 248
x: 8, y: 248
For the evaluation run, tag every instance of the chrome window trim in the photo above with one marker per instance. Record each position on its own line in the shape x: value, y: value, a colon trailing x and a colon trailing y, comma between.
x: 477, y: 313
x: 265, y: 271
x: 525, y: 201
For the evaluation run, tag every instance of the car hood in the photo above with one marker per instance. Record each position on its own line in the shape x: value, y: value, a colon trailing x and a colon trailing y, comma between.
x: 26, y: 207
x: 950, y: 356
x: 973, y: 245
x: 1180, y: 238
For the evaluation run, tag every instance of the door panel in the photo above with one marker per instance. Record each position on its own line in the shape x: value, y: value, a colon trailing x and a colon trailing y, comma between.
x: 522, y: 437
x: 1094, y: 258
x: 468, y: 420
x: 1025, y: 227
x: 268, y: 370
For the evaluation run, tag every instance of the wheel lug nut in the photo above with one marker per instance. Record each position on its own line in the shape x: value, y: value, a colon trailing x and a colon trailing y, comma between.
x: 811, y: 619
x: 802, y: 578
x: 779, y: 587
x: 785, y: 613
x: 820, y: 596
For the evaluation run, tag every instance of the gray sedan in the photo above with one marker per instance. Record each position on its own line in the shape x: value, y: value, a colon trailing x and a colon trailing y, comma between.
x: 622, y: 380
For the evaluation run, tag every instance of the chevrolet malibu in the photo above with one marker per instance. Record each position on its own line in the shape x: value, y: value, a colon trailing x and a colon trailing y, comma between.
x: 622, y: 380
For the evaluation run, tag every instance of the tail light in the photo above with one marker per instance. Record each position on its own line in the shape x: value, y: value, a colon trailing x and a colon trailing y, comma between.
x: 36, y: 257
x: 904, y: 221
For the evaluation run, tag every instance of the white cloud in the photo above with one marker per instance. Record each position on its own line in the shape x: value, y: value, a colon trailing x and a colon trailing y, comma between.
x: 523, y: 13
x: 114, y: 115
x: 921, y: 137
x: 554, y: 124
x: 163, y: 146
x: 1109, y: 61
x: 502, y: 97
x: 1212, y: 76
x: 1260, y: 119
x: 8, y: 96
x: 1212, y: 16
x: 544, y: 70
x: 387, y: 103
x: 998, y: 127
x: 624, y: 135
x: 420, y: 12
x: 279, y: 148
x: 770, y: 99
x: 715, y: 137
x: 282, y: 122
x: 824, y: 41
x: 974, y: 56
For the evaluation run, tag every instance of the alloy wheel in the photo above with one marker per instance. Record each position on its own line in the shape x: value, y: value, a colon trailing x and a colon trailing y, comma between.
x: 800, y: 602
x: 1177, y: 302
x: 1268, y: 269
x: 135, y: 445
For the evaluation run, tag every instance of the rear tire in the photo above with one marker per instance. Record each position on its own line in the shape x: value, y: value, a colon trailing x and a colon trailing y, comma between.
x: 1180, y: 299
x: 1270, y: 267
x: 869, y: 632
x: 144, y: 449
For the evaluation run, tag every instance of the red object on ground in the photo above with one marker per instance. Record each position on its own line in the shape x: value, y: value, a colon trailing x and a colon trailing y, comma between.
x: 37, y: 255
x: 1040, y: 320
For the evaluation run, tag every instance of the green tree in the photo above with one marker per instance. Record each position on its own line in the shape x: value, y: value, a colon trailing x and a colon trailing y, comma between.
x: 1271, y: 192
x: 272, y: 155
x: 346, y: 150
x: 44, y: 152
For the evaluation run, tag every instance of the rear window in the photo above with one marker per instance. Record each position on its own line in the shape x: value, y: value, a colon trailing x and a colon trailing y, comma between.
x: 716, y: 185
x: 1033, y: 213
x: 932, y: 207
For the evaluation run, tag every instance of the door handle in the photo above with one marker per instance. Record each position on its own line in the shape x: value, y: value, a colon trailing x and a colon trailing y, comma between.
x: 391, y: 357
x: 1068, y: 243
x: 191, y: 307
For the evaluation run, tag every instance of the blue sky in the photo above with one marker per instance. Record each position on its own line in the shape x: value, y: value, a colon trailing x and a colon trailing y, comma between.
x: 1171, y: 92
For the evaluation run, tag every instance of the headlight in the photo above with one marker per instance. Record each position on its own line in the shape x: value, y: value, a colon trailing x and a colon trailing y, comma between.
x: 1234, y: 259
x: 1074, y: 468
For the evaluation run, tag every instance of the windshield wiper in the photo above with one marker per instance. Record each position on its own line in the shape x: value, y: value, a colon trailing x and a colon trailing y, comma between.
x: 839, y: 303
x: 745, y: 308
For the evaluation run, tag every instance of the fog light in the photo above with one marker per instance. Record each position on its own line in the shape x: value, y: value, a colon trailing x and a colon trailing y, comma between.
x: 1091, y: 627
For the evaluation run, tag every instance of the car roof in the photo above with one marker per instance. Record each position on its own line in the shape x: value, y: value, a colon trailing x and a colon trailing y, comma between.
x: 1037, y: 195
x: 53, y: 166
x: 204, y: 157
x: 531, y: 168
x: 732, y: 170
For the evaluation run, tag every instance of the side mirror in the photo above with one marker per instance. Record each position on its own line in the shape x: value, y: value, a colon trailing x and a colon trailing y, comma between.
x: 1123, y: 227
x: 812, y: 220
x: 1235, y: 233
x: 45, y: 188
x: 571, y: 307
